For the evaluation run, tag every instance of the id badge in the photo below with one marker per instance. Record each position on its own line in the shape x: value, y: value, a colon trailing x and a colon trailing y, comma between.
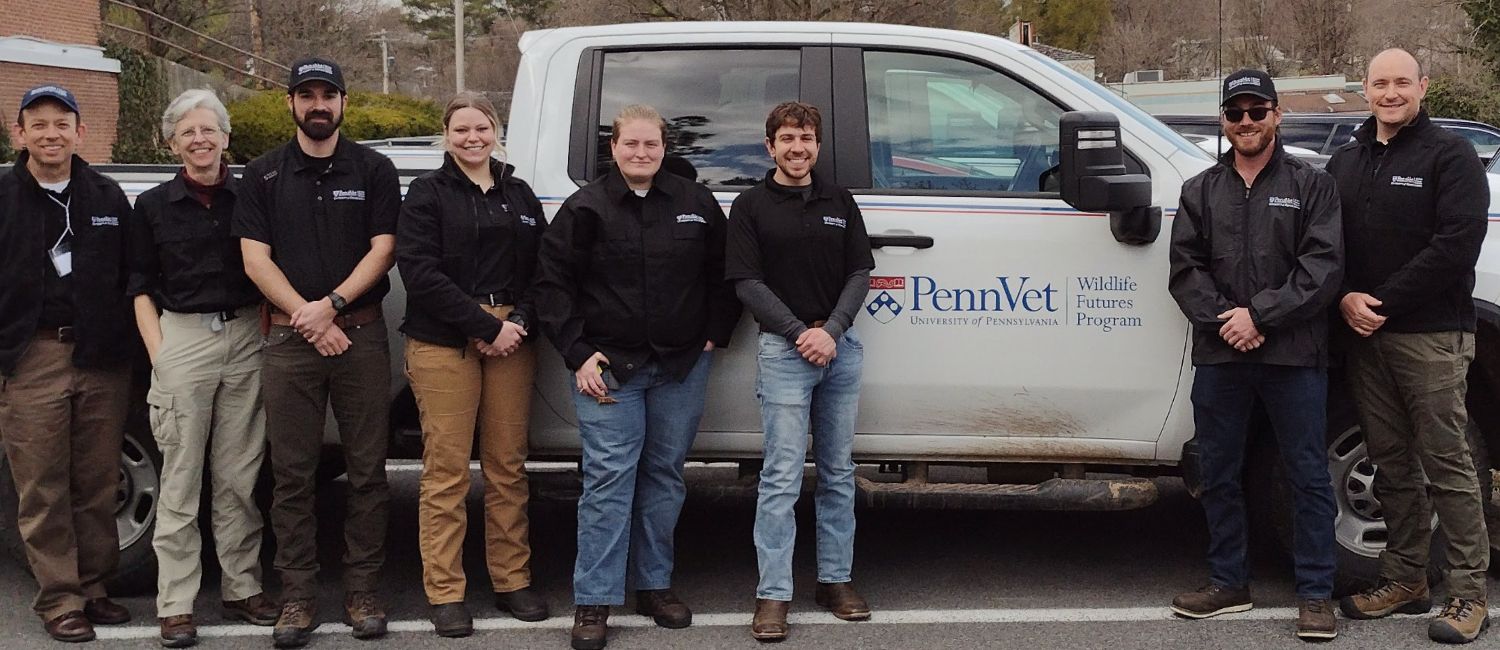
x: 62, y: 258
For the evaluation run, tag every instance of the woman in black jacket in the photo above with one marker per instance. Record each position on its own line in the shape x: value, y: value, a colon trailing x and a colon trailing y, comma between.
x: 466, y: 249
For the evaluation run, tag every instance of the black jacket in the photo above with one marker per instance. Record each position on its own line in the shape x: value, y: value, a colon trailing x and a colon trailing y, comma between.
x: 636, y: 278
x: 1276, y: 248
x: 437, y: 254
x: 1415, y: 215
x: 103, y: 328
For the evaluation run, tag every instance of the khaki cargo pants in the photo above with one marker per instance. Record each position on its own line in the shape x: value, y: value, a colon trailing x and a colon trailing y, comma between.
x: 1410, y: 389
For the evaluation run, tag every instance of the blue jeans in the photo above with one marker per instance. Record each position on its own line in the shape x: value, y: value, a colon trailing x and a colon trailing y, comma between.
x: 633, y: 453
x: 1296, y: 399
x: 796, y: 396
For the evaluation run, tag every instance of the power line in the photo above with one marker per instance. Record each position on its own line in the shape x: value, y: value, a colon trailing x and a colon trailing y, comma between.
x: 190, y: 31
x: 195, y: 54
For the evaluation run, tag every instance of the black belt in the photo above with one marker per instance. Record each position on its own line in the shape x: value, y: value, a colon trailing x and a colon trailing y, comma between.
x: 495, y: 299
x: 59, y: 334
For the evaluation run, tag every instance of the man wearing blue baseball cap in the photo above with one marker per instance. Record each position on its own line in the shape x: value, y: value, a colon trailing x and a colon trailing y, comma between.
x: 65, y: 343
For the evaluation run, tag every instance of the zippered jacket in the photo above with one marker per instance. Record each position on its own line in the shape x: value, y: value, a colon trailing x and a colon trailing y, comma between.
x: 1275, y: 247
x: 1415, y: 216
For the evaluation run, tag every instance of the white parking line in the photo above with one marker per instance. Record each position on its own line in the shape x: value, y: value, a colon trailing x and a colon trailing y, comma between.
x: 881, y: 617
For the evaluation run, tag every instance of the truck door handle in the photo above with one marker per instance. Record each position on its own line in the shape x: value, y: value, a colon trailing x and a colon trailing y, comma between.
x: 909, y: 241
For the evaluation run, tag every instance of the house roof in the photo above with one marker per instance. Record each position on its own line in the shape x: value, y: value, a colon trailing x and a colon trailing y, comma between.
x: 1061, y: 54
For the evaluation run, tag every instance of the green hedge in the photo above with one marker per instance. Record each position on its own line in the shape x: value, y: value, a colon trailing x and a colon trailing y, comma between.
x: 263, y: 122
x: 1463, y: 98
x: 7, y: 155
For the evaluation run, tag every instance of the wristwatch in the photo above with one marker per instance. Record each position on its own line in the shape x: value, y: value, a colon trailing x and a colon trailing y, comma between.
x: 338, y: 301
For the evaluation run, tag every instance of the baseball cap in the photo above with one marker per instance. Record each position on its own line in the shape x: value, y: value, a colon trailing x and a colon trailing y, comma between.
x: 49, y: 91
x: 1248, y: 81
x: 315, y: 69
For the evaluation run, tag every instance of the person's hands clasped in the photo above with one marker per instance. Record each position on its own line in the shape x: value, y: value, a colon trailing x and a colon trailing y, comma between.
x: 588, y: 378
x: 314, y: 318
x: 817, y: 346
x: 1358, y: 312
x: 1239, y: 330
x: 331, y: 342
x: 506, y: 342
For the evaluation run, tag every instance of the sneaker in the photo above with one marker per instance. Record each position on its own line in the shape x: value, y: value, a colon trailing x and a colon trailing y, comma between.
x: 1212, y: 600
x: 363, y: 613
x: 255, y: 610
x: 452, y: 620
x: 178, y: 631
x: 1388, y: 597
x: 664, y: 607
x: 295, y: 626
x: 1461, y: 621
x: 1315, y: 621
x: 590, y: 627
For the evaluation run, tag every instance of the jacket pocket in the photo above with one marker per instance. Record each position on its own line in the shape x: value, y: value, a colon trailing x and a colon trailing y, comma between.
x: 164, y: 423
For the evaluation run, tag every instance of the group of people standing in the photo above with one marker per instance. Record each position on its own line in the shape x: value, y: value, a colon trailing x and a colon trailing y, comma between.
x: 1280, y: 266
x: 258, y: 300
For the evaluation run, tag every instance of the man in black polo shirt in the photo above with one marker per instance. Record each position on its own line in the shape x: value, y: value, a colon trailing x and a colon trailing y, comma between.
x: 800, y: 260
x: 65, y: 340
x: 317, y: 219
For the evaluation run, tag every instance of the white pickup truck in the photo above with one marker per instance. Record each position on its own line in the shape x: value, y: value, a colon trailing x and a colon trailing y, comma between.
x: 1018, y: 317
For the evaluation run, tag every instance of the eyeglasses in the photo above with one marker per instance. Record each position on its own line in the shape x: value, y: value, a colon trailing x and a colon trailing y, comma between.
x: 1257, y: 113
x: 206, y: 131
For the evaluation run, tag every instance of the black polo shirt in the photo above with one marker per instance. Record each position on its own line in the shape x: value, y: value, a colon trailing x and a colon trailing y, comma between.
x: 57, y: 292
x: 319, y: 214
x: 637, y: 278
x: 182, y: 253
x: 803, y: 242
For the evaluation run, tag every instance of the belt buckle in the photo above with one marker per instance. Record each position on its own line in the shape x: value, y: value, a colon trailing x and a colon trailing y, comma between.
x: 65, y: 334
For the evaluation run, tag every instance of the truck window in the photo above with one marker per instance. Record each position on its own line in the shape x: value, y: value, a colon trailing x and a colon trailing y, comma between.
x: 946, y: 124
x: 715, y: 103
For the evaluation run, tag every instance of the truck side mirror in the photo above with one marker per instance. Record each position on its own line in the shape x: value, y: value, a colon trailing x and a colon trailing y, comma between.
x: 1094, y: 178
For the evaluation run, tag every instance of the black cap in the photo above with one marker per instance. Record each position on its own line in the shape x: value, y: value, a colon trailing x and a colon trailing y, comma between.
x: 315, y: 69
x: 50, y: 91
x: 1248, y: 82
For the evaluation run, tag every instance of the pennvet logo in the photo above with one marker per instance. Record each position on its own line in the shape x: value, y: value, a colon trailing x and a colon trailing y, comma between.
x: 1247, y: 81
x: 1406, y: 181
x: 1283, y: 202
x: 270, y: 175
x: 530, y: 221
x: 48, y: 89
x: 315, y: 67
x: 689, y: 218
x: 348, y: 195
x: 835, y: 222
x: 104, y: 221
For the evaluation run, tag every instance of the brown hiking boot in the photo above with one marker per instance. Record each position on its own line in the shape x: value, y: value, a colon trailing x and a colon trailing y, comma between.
x: 295, y: 626
x: 255, y: 610
x: 178, y: 631
x: 664, y: 607
x: 1388, y: 597
x: 1461, y: 621
x: 590, y: 627
x: 1212, y: 600
x: 363, y: 613
x: 1315, y: 621
x: 841, y: 599
x: 769, y: 623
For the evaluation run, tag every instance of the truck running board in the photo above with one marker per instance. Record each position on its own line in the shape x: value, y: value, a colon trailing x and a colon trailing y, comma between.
x: 1067, y: 494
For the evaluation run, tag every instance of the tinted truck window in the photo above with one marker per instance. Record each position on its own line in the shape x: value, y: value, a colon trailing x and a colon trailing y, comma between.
x: 715, y: 103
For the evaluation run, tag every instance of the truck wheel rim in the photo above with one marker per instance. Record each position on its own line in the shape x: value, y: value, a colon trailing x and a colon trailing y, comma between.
x: 1359, y: 525
x: 135, y: 503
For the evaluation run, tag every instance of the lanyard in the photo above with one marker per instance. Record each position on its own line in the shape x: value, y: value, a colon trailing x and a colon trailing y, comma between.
x: 67, y: 218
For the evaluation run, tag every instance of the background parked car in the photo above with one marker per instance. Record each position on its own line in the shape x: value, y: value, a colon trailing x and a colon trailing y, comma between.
x: 1324, y: 132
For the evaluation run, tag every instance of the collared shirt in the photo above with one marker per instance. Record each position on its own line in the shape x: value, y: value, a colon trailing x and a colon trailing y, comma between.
x: 319, y: 214
x: 181, y: 252
x: 637, y: 278
x: 803, y: 242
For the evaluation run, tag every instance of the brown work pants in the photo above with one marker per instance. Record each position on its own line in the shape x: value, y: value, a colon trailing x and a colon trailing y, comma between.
x: 299, y: 386
x: 460, y: 391
x: 63, y: 428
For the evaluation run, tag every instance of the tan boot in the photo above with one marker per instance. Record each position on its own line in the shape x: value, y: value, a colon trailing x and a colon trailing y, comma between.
x: 1388, y: 597
x: 769, y: 623
x: 1461, y: 621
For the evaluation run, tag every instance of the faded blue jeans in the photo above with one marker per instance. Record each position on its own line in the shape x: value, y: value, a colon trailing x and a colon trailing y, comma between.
x: 633, y: 453
x: 798, y: 398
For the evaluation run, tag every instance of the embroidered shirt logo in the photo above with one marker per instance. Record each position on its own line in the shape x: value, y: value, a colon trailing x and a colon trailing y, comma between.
x: 1283, y: 202
x: 270, y: 175
x: 104, y: 221
x: 1247, y: 81
x: 1406, y: 181
x: 835, y: 222
x: 691, y: 218
x: 348, y: 195
x: 528, y: 220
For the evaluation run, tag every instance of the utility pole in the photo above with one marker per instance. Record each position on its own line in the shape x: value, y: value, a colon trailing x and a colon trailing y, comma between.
x: 385, y: 63
x: 257, y: 39
x: 458, y: 44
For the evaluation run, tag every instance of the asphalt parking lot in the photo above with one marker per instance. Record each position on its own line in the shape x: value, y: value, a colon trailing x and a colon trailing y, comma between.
x: 936, y: 579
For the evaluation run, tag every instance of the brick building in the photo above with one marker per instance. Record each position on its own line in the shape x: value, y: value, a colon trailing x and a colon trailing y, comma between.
x: 58, y: 42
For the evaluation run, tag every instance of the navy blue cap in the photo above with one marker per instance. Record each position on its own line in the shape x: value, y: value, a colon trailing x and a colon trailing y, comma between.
x: 50, y: 91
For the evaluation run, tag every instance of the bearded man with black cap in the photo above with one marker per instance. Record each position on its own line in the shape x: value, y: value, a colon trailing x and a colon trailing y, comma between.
x: 1256, y: 257
x: 65, y: 343
x: 317, y: 223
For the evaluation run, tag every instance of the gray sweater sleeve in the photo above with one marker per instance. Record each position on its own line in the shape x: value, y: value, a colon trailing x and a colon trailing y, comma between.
x: 772, y: 314
x: 851, y: 300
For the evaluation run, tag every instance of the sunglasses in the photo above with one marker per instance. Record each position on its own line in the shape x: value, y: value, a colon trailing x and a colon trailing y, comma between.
x: 1257, y: 113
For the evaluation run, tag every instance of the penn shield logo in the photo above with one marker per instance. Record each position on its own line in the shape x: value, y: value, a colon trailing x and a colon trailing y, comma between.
x: 1407, y: 181
x: 887, y: 304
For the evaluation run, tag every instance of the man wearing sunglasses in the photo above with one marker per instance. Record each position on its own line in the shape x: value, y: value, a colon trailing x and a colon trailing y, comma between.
x: 1415, y: 209
x: 1256, y: 259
